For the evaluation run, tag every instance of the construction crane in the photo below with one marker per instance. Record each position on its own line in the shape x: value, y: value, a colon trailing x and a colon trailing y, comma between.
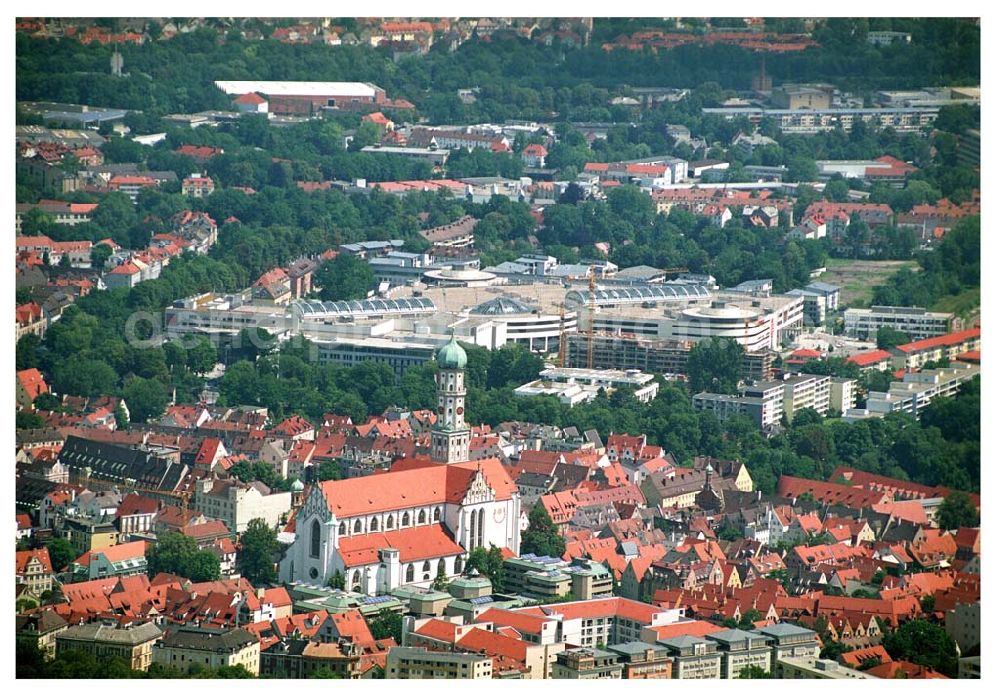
x: 591, y: 310
x: 562, y: 334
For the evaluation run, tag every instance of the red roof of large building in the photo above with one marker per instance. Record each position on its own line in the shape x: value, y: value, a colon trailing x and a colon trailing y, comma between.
x: 523, y: 622
x: 894, y: 487
x: 695, y: 629
x: 414, y: 544
x: 639, y: 612
x: 426, y: 484
x: 939, y: 341
x: 824, y: 492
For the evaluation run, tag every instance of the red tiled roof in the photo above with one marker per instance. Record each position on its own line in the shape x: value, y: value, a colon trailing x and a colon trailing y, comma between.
x: 438, y: 629
x: 426, y: 484
x: 593, y: 608
x: 854, y: 658
x: 209, y: 447
x: 970, y: 356
x: 864, y: 479
x: 891, y: 670
x: 696, y: 629
x: 205, y: 530
x: 127, y: 268
x: 378, y: 118
x: 523, y: 622
x: 870, y: 358
x: 136, y: 504
x: 32, y: 382
x: 352, y: 624
x: 293, y: 425
x: 414, y: 544
x: 937, y: 341
x: 250, y: 98
x: 124, y: 179
x: 278, y: 596
x: 197, y: 151
x: 118, y: 552
x: 479, y: 640
x: 22, y: 558
x: 792, y: 487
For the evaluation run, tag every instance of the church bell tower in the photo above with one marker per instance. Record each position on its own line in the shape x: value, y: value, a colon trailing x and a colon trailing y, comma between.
x: 450, y: 434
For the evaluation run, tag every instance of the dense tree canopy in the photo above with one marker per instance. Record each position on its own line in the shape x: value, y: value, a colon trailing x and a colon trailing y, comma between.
x: 258, y: 546
x: 715, y: 365
x: 179, y: 554
x: 542, y: 537
x: 344, y: 278
x: 923, y: 643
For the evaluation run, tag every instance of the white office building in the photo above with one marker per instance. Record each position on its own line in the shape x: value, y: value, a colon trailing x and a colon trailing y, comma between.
x: 917, y: 322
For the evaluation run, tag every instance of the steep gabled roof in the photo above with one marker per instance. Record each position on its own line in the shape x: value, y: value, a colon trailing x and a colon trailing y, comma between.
x: 426, y: 484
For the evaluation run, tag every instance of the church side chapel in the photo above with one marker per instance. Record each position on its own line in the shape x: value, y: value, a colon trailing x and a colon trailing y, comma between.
x: 416, y: 521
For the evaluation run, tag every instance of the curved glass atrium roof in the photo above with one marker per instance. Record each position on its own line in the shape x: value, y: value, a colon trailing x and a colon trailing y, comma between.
x: 501, y: 305
x: 632, y: 294
x: 359, y: 309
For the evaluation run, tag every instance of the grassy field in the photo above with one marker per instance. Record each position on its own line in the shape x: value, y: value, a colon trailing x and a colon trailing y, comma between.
x: 965, y: 305
x: 857, y: 279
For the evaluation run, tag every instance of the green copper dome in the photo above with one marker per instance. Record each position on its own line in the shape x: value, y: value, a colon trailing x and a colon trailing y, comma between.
x: 298, y: 485
x: 451, y: 356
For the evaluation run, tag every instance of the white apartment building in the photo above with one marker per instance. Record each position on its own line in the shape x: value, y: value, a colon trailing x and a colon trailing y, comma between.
x: 421, y: 663
x: 917, y: 389
x: 917, y: 322
x: 806, y: 391
x: 762, y: 402
x: 841, y: 394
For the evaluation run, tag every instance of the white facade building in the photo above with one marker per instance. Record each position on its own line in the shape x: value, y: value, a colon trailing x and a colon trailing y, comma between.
x: 917, y: 322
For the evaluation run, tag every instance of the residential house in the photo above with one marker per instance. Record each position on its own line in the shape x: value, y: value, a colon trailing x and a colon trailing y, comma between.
x: 119, y: 560
x: 211, y: 648
x: 30, y: 319
x: 197, y: 186
x: 30, y: 385
x: 132, y: 642
x: 534, y: 156
x: 41, y: 628
x: 34, y: 570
